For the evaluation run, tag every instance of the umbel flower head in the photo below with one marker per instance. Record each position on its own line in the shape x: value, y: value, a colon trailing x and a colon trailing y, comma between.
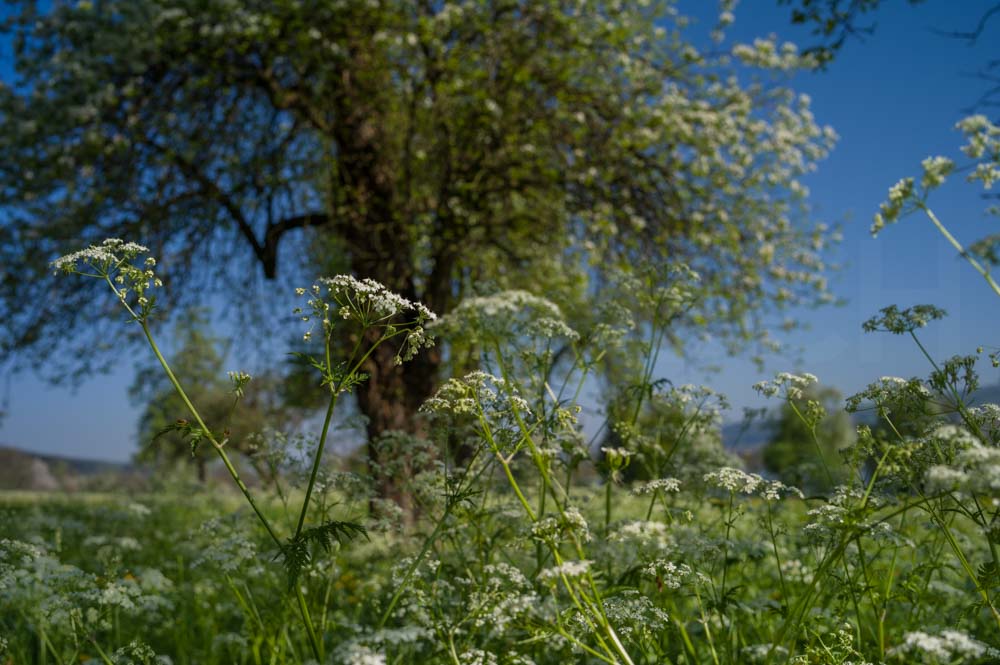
x: 115, y: 261
x: 785, y: 383
x: 371, y: 305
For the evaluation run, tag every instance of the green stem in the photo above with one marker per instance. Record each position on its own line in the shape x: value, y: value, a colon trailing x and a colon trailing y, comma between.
x: 607, y: 505
x: 317, y: 460
x: 413, y: 566
x: 961, y: 250
x: 304, y: 610
x: 208, y: 434
x: 812, y: 433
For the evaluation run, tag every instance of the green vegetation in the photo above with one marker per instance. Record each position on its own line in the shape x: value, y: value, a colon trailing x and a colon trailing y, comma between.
x: 452, y: 158
x: 442, y: 149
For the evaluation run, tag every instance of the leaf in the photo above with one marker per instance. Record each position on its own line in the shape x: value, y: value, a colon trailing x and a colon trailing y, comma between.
x: 195, y: 434
x: 296, y: 553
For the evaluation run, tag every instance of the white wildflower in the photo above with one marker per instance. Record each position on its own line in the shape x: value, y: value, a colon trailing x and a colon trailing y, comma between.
x: 787, y: 384
x: 658, y: 485
x: 568, y: 569
x: 945, y: 647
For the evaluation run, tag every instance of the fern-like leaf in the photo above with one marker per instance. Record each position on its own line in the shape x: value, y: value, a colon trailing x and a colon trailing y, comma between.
x: 297, y: 552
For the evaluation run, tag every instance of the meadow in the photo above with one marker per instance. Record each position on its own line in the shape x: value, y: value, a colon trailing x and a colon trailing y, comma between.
x: 515, y: 202
x: 505, y: 537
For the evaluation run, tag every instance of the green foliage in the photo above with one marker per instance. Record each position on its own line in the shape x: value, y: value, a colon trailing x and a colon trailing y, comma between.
x: 808, y: 437
x: 167, y: 432
x: 296, y: 553
x: 431, y: 146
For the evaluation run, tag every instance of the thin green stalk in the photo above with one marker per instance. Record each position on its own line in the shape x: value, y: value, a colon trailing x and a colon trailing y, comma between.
x: 597, y: 606
x: 314, y: 642
x: 412, y: 567
x: 953, y: 543
x: 706, y: 623
x: 725, y: 554
x: 104, y: 656
x: 854, y: 597
x: 317, y: 460
x: 777, y: 556
x: 961, y: 250
x: 219, y: 449
x: 607, y: 505
x: 243, y: 603
x: 812, y: 433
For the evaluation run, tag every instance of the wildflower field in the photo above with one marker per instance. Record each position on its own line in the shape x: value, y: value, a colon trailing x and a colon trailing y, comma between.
x: 522, y: 208
x: 517, y: 544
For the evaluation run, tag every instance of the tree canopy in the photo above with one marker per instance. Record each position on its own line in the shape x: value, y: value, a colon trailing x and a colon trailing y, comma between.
x: 431, y: 146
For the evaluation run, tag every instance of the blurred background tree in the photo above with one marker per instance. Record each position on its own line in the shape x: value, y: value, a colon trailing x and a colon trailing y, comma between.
x: 440, y: 148
x: 792, y: 454
x: 199, y: 363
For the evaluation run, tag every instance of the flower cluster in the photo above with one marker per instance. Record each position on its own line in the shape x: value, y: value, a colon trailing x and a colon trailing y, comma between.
x: 892, y: 393
x: 789, y: 385
x: 658, y: 485
x: 630, y: 611
x: 976, y: 471
x: 506, y: 317
x: 893, y: 320
x: 568, y: 569
x: 936, y: 171
x: 737, y: 481
x: 571, y: 525
x: 474, y: 393
x: 900, y: 195
x: 113, y: 261
x: 239, y: 381
x: 983, y: 144
x: 948, y: 646
x: 671, y: 575
x: 103, y: 258
x: 371, y: 305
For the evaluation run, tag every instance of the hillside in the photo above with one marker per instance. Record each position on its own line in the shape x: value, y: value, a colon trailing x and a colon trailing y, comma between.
x: 23, y: 470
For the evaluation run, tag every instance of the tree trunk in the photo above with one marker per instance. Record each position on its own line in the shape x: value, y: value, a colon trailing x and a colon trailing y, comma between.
x: 390, y: 400
x: 377, y: 230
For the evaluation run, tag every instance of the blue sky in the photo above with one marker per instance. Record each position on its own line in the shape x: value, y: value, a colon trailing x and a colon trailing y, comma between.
x: 893, y: 98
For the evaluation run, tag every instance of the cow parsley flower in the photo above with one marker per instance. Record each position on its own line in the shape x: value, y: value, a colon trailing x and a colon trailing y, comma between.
x: 569, y: 569
x: 898, y: 322
x: 789, y: 385
x: 491, y: 402
x: 358, y: 654
x: 371, y: 305
x: 104, y: 257
x: 571, y: 525
x: 667, y: 573
x: 945, y: 647
x: 976, y: 470
x: 507, y: 316
x: 114, y: 261
x: 901, y: 196
x: 737, y: 481
x: 477, y: 657
x: 630, y: 611
x: 658, y: 485
x: 891, y: 393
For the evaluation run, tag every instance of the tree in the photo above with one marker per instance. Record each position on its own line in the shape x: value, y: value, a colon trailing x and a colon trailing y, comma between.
x: 199, y: 363
x: 794, y: 455
x: 431, y: 146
